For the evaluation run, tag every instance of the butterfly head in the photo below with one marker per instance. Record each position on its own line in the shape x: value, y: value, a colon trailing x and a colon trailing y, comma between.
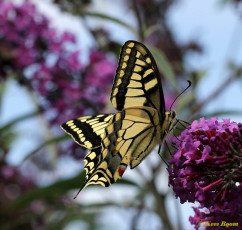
x: 171, y: 118
x: 168, y: 123
x: 173, y: 114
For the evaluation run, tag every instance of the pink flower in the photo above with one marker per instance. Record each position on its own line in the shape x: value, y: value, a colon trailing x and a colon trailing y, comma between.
x: 65, y: 88
x: 7, y: 172
x: 206, y: 167
x: 73, y: 61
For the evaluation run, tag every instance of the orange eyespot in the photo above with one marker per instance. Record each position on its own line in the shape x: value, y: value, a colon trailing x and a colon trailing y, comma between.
x: 121, y: 169
x: 114, y: 151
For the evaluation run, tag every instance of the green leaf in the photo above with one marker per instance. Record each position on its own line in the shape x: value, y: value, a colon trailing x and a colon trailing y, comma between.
x: 71, y: 215
x: 46, y: 143
x: 184, y: 101
x: 6, y: 140
x: 125, y: 182
x: 164, y: 66
x: 16, y: 120
x: 106, y: 17
x: 196, y: 77
x: 3, y: 85
x: 58, y: 188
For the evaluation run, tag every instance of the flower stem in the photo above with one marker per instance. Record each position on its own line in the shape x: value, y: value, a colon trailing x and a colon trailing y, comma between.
x: 160, y: 208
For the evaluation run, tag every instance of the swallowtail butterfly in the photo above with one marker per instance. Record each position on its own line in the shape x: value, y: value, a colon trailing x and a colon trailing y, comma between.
x: 141, y: 122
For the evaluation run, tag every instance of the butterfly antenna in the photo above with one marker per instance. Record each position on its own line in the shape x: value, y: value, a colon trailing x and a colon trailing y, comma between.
x: 189, y: 84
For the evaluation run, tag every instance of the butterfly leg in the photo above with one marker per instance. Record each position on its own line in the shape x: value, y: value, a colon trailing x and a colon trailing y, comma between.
x: 159, y: 153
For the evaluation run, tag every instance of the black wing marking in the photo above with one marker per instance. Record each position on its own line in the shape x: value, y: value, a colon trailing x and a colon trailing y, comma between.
x: 129, y: 138
x: 87, y: 131
x: 137, y: 81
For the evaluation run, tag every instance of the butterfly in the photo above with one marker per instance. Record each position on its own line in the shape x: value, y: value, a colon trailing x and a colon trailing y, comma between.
x: 141, y: 122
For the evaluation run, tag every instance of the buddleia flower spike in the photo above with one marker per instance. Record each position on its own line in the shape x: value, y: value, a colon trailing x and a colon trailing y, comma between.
x: 207, y: 167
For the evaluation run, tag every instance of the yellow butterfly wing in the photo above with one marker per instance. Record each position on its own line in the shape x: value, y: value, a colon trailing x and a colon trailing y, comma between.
x: 137, y: 80
x: 87, y: 131
x: 129, y: 137
x: 91, y: 160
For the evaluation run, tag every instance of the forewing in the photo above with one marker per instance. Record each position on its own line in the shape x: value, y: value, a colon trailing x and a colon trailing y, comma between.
x: 137, y: 80
x: 127, y: 132
x: 87, y: 131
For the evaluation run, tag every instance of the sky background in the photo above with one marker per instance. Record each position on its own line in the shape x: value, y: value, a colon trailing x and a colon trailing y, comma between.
x: 217, y: 28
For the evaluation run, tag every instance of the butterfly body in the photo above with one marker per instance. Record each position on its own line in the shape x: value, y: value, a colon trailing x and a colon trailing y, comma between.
x: 141, y: 122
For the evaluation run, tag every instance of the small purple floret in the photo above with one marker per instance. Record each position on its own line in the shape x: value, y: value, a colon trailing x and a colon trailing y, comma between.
x: 206, y: 167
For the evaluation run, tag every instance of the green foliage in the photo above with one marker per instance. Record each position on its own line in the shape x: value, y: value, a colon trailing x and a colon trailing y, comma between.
x: 164, y: 66
x: 109, y: 18
x: 61, y: 187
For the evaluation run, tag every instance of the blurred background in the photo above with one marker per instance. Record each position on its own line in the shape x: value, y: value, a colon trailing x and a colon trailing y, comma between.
x: 57, y: 62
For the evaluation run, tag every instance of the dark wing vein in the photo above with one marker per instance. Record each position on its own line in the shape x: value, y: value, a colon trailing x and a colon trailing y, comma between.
x: 137, y: 80
x: 87, y: 131
x: 124, y: 142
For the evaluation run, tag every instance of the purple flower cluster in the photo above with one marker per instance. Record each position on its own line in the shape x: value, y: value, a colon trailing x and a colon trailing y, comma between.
x: 45, y: 61
x: 25, y: 37
x: 48, y: 64
x: 66, y: 96
x: 206, y: 167
x: 12, y: 183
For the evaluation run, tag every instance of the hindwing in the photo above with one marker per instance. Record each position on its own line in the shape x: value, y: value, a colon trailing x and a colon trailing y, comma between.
x: 137, y: 79
x: 129, y: 137
x: 91, y: 160
x: 87, y: 131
